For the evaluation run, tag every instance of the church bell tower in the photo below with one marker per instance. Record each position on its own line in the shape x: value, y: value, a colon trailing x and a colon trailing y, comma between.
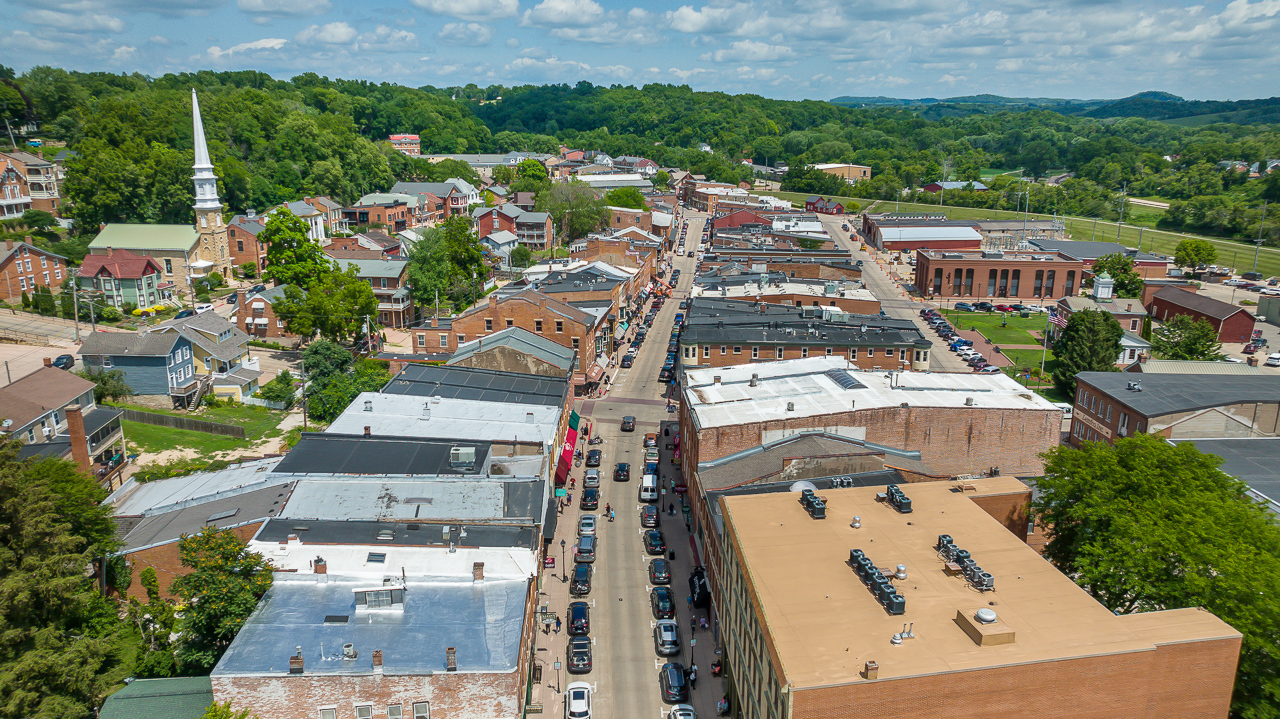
x: 214, y: 248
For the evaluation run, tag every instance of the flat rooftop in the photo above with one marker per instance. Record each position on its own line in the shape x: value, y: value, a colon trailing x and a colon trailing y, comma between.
x: 824, y: 624
x: 324, y: 453
x: 483, y: 620
x: 399, y: 534
x: 428, y: 498
x: 996, y: 256
x: 820, y: 386
x: 469, y: 383
x: 1162, y: 394
x: 399, y: 415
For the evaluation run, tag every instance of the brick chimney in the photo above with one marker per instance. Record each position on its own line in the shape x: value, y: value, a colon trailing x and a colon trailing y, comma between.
x: 321, y: 566
x: 477, y: 571
x: 295, y: 662
x: 79, y: 440
x: 368, y: 431
x: 48, y: 361
x: 451, y: 659
x: 377, y: 661
x: 8, y: 244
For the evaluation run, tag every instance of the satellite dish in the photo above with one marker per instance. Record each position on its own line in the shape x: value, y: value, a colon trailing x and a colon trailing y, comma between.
x: 802, y: 485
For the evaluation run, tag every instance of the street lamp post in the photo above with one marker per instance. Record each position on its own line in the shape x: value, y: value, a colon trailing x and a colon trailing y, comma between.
x: 564, y: 568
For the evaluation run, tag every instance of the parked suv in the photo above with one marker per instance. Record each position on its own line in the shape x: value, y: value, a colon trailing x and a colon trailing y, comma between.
x: 578, y: 655
x: 662, y: 604
x: 666, y: 638
x: 671, y: 679
x: 579, y: 619
x: 586, y: 551
x: 580, y: 585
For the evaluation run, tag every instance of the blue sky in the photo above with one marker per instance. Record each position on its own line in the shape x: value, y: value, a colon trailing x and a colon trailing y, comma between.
x: 777, y: 48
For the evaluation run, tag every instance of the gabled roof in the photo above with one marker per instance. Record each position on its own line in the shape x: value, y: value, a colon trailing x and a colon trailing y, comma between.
x: 173, y: 698
x: 271, y: 294
x: 197, y: 328
x: 301, y: 209
x: 177, y: 238
x: 253, y: 225
x: 1157, y: 366
x: 375, y: 268
x: 1196, y: 302
x: 116, y: 344
x: 380, y: 238
x: 31, y: 397
x: 1162, y: 394
x: 519, y: 339
x: 26, y: 158
x: 120, y: 264
x: 326, y: 203
x: 5, y: 253
x: 422, y: 380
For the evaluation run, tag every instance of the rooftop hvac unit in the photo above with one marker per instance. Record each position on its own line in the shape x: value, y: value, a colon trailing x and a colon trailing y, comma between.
x: 349, y: 651
x: 854, y: 556
x: 986, y: 582
x: 959, y: 556
x: 818, y: 509
x: 943, y: 540
x: 462, y: 457
x: 895, y: 604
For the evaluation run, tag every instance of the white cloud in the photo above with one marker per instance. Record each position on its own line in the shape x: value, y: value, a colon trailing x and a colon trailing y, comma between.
x: 751, y: 51
x: 708, y: 19
x: 609, y: 33
x: 950, y: 79
x: 334, y: 33
x: 554, y: 68
x: 386, y: 39
x: 124, y: 52
x: 294, y: 8
x: 268, y: 43
x: 469, y: 33
x: 512, y: 42
x: 160, y: 40
x: 564, y: 13
x: 73, y: 21
x: 478, y: 10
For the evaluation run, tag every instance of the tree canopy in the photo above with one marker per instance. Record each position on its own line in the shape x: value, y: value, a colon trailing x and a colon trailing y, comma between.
x: 625, y: 197
x: 222, y: 589
x: 292, y: 257
x: 1128, y: 283
x: 336, y: 306
x: 1183, y: 337
x: 1194, y: 252
x: 446, y: 263
x: 1089, y: 343
x: 1145, y: 525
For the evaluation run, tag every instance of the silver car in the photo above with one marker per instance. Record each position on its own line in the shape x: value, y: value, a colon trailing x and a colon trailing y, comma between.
x: 587, y: 525
x: 592, y: 479
x: 666, y: 638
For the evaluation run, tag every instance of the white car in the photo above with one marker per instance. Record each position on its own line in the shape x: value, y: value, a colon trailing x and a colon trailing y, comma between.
x: 203, y: 308
x: 587, y: 525
x: 682, y: 711
x: 1273, y: 360
x: 577, y: 701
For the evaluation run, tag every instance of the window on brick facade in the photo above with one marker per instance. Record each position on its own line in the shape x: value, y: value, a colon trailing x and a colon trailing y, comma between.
x: 462, y: 338
x: 853, y: 353
x: 1093, y: 405
x: 828, y: 351
x: 421, y: 710
x: 737, y: 349
x: 444, y: 340
x: 902, y: 355
x: 804, y: 352
x: 488, y: 325
x: 394, y: 711
x: 364, y: 711
x: 706, y: 350
x: 537, y: 326
x: 778, y: 352
x: 329, y: 713
x: 575, y: 343
x: 239, y: 245
x: 724, y: 350
x: 422, y: 339
x: 510, y: 322
x: 1133, y: 325
x: 755, y: 353
x: 559, y: 326
x: 1109, y: 413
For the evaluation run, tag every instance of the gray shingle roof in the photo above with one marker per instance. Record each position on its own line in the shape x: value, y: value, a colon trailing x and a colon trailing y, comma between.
x: 175, y: 698
x: 1168, y: 393
x: 1252, y: 460
x: 375, y: 268
x: 195, y: 327
x: 128, y: 343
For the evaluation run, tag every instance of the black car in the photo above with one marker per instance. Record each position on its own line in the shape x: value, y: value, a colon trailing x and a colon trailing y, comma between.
x: 65, y: 362
x: 580, y: 584
x: 684, y: 304
x: 659, y: 569
x: 662, y: 604
x: 671, y: 679
x: 665, y: 374
x: 628, y: 422
x: 257, y: 288
x: 627, y: 361
x: 590, y: 499
x: 653, y: 543
x: 183, y: 314
x: 650, y: 516
x: 579, y: 619
x: 622, y: 473
x: 578, y: 655
x: 984, y: 306
x: 594, y: 457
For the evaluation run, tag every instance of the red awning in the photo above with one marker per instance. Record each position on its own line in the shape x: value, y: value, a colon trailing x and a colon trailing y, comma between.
x: 566, y: 457
x: 595, y: 373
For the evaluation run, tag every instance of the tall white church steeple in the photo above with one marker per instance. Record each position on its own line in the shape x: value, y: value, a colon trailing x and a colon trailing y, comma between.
x: 206, y: 181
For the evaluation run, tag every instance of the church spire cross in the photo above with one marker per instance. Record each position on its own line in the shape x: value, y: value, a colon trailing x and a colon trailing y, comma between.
x: 206, y: 182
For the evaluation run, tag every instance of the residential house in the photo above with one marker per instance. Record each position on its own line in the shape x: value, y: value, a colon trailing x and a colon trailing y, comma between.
x: 458, y: 195
x: 54, y: 414
x: 41, y: 179
x: 1232, y: 323
x: 23, y: 267
x: 642, y: 166
x: 183, y: 358
x: 388, y: 278
x: 331, y: 211
x: 500, y: 244
x: 826, y: 206
x: 525, y: 201
x: 123, y: 278
x: 383, y: 209
x: 410, y: 145
x: 953, y: 186
x: 15, y: 198
x: 171, y: 698
x: 314, y: 218
x: 242, y: 236
x: 533, y: 229
x: 255, y: 314
x: 378, y: 241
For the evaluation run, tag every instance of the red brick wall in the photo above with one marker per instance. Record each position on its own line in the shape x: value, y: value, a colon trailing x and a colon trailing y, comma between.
x: 1236, y: 328
x: 164, y: 559
x: 846, y: 304
x: 271, y: 329
x: 253, y: 251
x: 1140, y: 685
x: 11, y: 287
x: 621, y: 218
x: 451, y: 695
x: 926, y: 267
x: 484, y: 224
x: 522, y: 314
x: 880, y: 360
x: 1011, y: 510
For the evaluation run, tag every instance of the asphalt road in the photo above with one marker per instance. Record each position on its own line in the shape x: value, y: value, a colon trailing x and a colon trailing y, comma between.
x: 625, y: 665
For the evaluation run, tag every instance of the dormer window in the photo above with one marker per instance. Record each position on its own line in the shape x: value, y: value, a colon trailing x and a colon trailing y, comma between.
x: 386, y: 597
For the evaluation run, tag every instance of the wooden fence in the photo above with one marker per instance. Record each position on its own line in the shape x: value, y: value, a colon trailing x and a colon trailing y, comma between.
x: 175, y: 422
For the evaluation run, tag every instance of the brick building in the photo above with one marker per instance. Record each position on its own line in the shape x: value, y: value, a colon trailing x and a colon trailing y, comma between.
x: 242, y: 238
x: 15, y: 197
x: 723, y: 332
x: 850, y: 173
x: 388, y: 278
x: 23, y: 267
x: 792, y: 268
x: 533, y: 229
x: 1144, y: 263
x: 778, y: 289
x: 824, y: 205
x: 1233, y: 323
x: 908, y: 235
x: 408, y: 144
x: 996, y: 275
x: 620, y: 251
x: 624, y: 217
x: 455, y: 194
x: 255, y: 314
x: 383, y: 209
x: 41, y: 179
x: 1177, y: 406
x: 805, y: 638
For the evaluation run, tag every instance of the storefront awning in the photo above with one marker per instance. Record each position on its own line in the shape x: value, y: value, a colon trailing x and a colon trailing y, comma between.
x: 595, y: 373
x: 620, y: 331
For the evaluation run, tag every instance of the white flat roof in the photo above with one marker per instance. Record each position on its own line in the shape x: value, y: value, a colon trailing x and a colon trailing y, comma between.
x: 352, y: 560
x: 148, y: 498
x: 805, y: 384
x: 815, y: 288
x: 402, y: 415
x: 929, y: 233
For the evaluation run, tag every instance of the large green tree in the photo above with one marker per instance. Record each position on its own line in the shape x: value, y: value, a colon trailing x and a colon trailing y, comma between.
x: 1128, y: 283
x: 338, y: 306
x: 446, y: 264
x: 222, y: 589
x: 108, y: 384
x: 1145, y: 525
x: 625, y: 197
x: 574, y: 208
x: 1184, y: 337
x: 324, y: 359
x: 1193, y: 252
x: 292, y: 257
x: 1089, y: 343
x: 326, y: 400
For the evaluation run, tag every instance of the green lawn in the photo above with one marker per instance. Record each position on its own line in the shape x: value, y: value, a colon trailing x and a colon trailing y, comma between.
x: 258, y: 422
x: 149, y: 438
x: 988, y: 323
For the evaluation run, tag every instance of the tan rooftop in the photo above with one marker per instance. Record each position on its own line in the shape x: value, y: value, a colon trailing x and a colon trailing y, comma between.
x: 824, y: 624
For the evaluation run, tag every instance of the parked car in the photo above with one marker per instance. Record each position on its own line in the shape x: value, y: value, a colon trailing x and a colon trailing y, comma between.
x: 1249, y: 349
x: 989, y: 369
x: 960, y: 342
x: 672, y: 680
x: 586, y: 525
x: 666, y: 638
x: 183, y: 314
x: 662, y: 603
x: 594, y: 457
x: 682, y: 711
x: 965, y: 307
x: 586, y: 549
x: 622, y: 472
x: 580, y: 585
x: 684, y: 304
x: 659, y: 569
x: 590, y: 499
x: 627, y: 361
x: 983, y: 306
x: 628, y: 423
x: 65, y: 362
x: 1273, y: 360
x: 591, y: 479
x: 650, y: 516
x: 578, y: 655
x: 654, y: 544
x: 579, y: 619
x: 651, y: 439
x: 1004, y: 308
x: 203, y: 307
x: 577, y: 701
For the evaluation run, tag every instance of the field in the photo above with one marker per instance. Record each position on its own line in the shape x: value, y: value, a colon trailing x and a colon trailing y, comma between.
x: 151, y: 439
x: 988, y: 323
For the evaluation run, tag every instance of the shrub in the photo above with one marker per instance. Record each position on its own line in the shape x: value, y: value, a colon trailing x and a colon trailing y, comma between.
x: 248, y: 270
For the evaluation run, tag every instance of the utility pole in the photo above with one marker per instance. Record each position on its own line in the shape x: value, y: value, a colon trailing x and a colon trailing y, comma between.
x: 1120, y: 224
x: 1257, y: 247
x: 75, y: 303
x: 1095, y: 230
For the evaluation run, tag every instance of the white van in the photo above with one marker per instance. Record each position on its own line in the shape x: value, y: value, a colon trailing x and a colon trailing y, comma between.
x: 649, y: 488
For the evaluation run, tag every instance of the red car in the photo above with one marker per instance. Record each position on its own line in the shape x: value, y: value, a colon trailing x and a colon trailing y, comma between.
x: 1249, y: 349
x: 1004, y: 308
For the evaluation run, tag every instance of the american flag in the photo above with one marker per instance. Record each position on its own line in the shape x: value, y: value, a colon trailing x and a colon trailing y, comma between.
x: 1057, y: 319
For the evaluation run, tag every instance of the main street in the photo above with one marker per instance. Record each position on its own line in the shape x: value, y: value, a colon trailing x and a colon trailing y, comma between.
x: 625, y: 665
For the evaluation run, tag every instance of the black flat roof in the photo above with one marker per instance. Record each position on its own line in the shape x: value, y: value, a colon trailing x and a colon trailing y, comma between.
x: 1162, y: 394
x: 478, y: 384
x: 405, y: 534
x: 320, y: 453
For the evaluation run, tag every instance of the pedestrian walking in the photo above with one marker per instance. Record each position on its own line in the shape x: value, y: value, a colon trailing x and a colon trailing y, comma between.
x: 703, y: 623
x: 693, y: 677
x: 689, y: 600
x: 557, y: 625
